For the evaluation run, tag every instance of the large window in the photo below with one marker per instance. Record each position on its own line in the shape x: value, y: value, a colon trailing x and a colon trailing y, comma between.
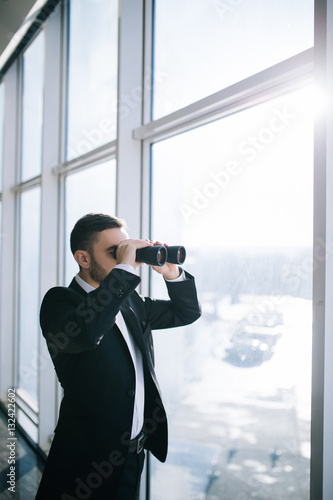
x: 238, y: 193
x: 92, y: 79
x: 29, y: 292
x: 29, y: 212
x: 202, y: 47
x: 90, y: 190
x: 238, y: 382
x: 32, y: 109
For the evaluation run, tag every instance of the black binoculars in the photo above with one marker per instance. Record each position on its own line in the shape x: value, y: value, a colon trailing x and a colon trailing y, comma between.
x: 158, y: 255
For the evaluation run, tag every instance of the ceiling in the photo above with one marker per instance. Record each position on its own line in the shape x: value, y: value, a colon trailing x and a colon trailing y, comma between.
x: 12, y: 15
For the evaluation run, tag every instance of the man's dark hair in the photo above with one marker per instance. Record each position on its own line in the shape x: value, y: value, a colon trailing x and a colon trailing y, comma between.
x: 85, y: 231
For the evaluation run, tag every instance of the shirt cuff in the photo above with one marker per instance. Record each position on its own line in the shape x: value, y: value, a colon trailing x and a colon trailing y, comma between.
x: 126, y: 267
x: 181, y: 277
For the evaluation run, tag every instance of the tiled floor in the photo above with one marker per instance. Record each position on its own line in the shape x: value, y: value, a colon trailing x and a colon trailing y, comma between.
x: 28, y: 466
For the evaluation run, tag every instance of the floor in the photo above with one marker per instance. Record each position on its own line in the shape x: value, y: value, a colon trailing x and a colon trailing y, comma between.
x: 28, y: 465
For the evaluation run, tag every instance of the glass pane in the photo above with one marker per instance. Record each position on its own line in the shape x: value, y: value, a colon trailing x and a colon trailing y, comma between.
x: 92, y: 83
x: 0, y: 248
x: 237, y: 382
x: 202, y: 46
x: 90, y: 190
x: 2, y: 116
x: 28, y: 328
x: 32, y: 109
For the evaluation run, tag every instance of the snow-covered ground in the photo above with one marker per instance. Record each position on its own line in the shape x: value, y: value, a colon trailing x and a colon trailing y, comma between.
x: 236, y: 432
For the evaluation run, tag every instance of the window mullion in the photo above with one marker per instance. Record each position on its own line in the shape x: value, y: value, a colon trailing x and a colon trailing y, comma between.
x: 281, y: 78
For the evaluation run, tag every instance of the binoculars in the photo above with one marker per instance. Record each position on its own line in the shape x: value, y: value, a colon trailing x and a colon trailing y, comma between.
x: 158, y: 255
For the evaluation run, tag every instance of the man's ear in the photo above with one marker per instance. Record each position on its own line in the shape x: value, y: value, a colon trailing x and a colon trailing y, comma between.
x: 82, y: 258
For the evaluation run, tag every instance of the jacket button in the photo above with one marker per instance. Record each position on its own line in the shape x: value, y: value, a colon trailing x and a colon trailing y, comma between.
x: 131, y: 393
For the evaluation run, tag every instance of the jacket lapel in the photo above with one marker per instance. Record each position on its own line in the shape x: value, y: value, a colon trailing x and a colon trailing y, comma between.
x: 128, y: 313
x: 75, y: 286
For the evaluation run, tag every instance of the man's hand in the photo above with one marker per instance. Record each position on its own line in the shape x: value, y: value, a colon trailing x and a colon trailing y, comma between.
x: 126, y: 251
x: 168, y: 271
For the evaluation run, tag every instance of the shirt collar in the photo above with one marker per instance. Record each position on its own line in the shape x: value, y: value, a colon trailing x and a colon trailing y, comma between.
x: 83, y: 284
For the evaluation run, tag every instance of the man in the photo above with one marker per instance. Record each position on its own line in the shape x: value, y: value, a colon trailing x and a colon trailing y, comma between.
x: 98, y: 332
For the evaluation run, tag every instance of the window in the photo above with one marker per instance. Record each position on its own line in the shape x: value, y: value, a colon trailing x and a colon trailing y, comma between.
x: 92, y: 79
x: 237, y: 383
x: 32, y: 109
x: 215, y: 152
x: 29, y: 214
x: 202, y: 47
x: 28, y: 326
x: 90, y: 190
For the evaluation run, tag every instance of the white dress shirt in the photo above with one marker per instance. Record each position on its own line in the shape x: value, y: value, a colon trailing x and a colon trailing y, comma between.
x: 139, y: 400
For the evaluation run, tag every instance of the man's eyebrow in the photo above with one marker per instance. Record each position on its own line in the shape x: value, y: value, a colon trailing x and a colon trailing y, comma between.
x: 112, y: 248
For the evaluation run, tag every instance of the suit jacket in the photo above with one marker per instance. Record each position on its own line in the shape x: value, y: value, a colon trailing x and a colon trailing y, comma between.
x: 96, y: 371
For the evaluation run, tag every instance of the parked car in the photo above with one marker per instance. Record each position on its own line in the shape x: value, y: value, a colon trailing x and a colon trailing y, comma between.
x: 255, y: 337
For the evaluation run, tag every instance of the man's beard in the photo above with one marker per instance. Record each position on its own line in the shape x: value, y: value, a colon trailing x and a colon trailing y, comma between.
x: 97, y: 272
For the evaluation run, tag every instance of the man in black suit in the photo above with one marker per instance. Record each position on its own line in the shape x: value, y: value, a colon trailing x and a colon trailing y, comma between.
x: 98, y: 332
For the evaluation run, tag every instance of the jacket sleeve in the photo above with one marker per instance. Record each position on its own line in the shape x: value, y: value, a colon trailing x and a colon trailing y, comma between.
x: 183, y: 308
x: 72, y: 323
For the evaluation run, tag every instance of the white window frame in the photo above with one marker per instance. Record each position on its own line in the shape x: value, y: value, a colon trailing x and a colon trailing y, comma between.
x: 322, y: 372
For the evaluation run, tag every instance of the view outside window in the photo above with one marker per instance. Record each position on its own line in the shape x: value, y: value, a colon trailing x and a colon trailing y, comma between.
x: 32, y: 109
x: 203, y: 46
x: 0, y: 243
x: 237, y: 383
x: 28, y: 317
x: 89, y: 190
x: 29, y: 220
x: 92, y: 79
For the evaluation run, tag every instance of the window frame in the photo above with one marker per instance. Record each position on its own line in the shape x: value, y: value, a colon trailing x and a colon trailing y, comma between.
x: 24, y: 403
x: 132, y: 150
